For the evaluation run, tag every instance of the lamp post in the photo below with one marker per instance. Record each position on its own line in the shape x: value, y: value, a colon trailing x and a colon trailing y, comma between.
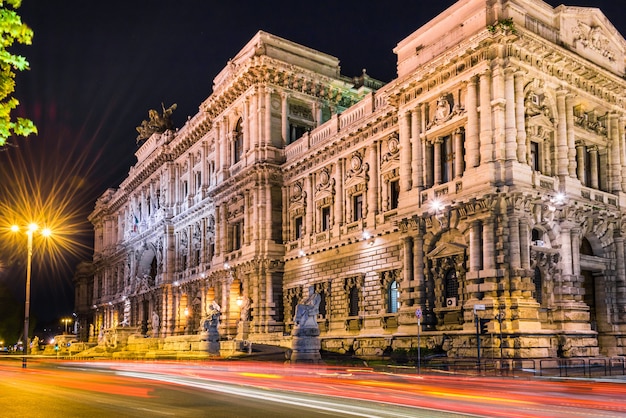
x: 66, y: 321
x: 30, y: 230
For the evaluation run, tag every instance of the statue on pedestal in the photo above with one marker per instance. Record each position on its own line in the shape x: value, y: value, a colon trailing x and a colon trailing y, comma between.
x: 307, y: 310
x: 155, y: 324
x: 305, y: 342
x: 211, y: 325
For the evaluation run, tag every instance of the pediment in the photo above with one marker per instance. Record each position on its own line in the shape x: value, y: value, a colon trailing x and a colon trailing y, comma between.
x: 447, y: 249
x: 589, y: 33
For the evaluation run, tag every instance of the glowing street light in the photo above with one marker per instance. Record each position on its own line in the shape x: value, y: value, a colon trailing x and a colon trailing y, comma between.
x: 30, y: 230
x: 66, y: 321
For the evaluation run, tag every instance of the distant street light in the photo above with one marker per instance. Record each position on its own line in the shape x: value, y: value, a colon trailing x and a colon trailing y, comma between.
x: 66, y: 321
x: 30, y: 230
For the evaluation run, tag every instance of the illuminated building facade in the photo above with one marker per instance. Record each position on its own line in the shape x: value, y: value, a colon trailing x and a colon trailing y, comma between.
x: 488, y: 178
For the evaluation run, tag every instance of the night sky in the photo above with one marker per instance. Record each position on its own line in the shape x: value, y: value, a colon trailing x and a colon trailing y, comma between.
x: 97, y: 67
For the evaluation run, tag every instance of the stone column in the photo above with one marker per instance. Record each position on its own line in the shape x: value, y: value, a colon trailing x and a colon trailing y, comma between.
x: 620, y: 280
x: 458, y: 150
x: 247, y: 221
x: 339, y: 197
x: 566, y: 251
x: 247, y: 121
x: 267, y: 123
x: 524, y: 242
x: 519, y: 118
x: 614, y: 159
x: 417, y: 168
x: 286, y: 221
x: 510, y: 122
x: 405, y: 151
x: 472, y: 157
x: 486, y: 134
x: 205, y: 166
x: 254, y: 119
x: 489, y: 245
x: 418, y: 266
x: 284, y: 120
x: 593, y: 154
x: 580, y: 162
x: 571, y: 141
x: 310, y: 203
x: 269, y: 297
x: 224, y: 143
x: 561, y: 135
x: 372, y: 192
x: 621, y: 134
x: 475, y: 250
x: 437, y: 160
x: 408, y: 270
x: 498, y: 111
x: 268, y: 209
x: 514, y: 243
x: 576, y: 251
x: 320, y: 113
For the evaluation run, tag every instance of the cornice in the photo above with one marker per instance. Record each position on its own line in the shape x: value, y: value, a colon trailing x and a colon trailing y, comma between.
x: 271, y: 72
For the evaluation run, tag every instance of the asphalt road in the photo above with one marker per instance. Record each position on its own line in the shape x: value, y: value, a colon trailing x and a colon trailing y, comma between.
x: 49, y: 388
x: 64, y: 389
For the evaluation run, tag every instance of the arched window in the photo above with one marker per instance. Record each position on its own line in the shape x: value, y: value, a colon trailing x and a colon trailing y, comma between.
x: 393, y: 297
x: 238, y: 142
x: 153, y: 268
x: 585, y: 247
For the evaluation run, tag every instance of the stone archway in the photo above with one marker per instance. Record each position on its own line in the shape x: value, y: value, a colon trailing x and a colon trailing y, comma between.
x: 147, y: 264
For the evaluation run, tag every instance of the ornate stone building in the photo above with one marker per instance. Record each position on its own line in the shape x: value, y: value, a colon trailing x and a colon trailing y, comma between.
x: 488, y: 179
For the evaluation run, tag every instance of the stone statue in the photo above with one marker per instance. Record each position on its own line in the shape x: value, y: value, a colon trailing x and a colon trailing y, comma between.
x: 244, y: 314
x: 155, y: 324
x: 305, y: 343
x: 307, y: 310
x: 156, y: 123
x: 211, y: 325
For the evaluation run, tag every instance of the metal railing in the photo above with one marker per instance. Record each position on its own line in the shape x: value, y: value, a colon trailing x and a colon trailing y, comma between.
x: 561, y: 367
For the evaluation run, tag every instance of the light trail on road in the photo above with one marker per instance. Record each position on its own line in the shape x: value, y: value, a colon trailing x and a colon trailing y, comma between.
x: 253, y: 389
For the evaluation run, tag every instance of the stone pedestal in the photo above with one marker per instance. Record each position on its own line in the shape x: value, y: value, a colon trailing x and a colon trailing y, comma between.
x: 306, y: 345
x: 243, y: 330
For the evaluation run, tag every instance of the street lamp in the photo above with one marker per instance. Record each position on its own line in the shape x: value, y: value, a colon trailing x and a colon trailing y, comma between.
x: 30, y: 230
x: 66, y: 321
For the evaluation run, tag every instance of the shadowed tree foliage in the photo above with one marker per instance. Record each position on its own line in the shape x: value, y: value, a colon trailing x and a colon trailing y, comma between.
x: 10, y: 316
x: 12, y: 30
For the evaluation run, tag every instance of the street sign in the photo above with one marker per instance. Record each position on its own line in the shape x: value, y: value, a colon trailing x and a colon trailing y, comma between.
x: 418, y: 313
x: 479, y: 307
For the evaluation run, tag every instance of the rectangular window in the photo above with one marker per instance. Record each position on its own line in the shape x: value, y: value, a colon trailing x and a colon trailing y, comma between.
x: 353, y: 309
x: 357, y: 207
x: 325, y: 218
x: 297, y: 225
x: 238, y: 148
x: 394, y: 194
x: 296, y: 132
x: 534, y: 156
x: 185, y: 189
x: 198, y: 180
x: 236, y: 235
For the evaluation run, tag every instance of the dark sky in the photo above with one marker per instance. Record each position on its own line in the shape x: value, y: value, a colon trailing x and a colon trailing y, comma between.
x: 97, y: 67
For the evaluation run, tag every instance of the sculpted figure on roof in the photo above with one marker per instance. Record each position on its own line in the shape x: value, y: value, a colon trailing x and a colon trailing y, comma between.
x: 156, y: 122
